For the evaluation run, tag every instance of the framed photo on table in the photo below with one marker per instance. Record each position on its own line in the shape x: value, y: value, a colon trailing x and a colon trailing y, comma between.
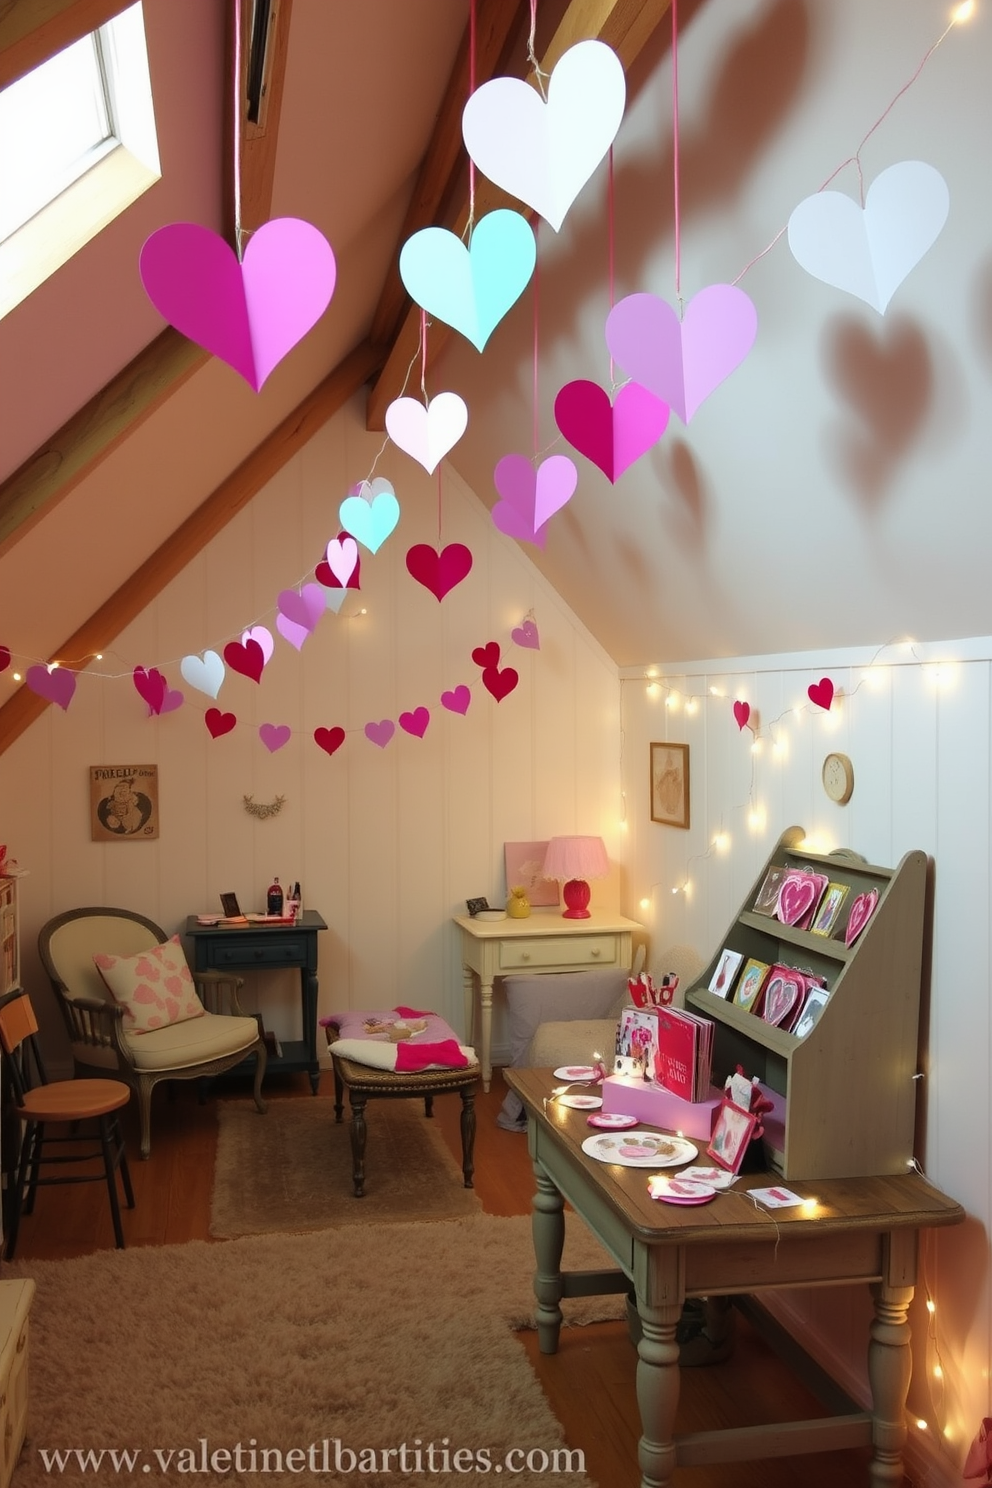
x: 524, y: 861
x: 670, y: 784
x: 731, y: 1133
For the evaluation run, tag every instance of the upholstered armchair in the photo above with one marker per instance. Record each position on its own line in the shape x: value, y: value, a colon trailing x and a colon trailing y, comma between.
x: 102, y: 1036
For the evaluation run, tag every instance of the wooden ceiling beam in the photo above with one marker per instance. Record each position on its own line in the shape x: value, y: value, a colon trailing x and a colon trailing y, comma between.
x: 172, y: 556
x: 31, y: 31
x: 625, y: 25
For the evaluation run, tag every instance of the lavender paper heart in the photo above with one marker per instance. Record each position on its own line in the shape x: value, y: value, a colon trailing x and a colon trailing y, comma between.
x: 57, y: 686
x: 683, y: 361
x: 380, y: 733
x: 274, y: 735
x: 304, y: 608
x: 531, y: 497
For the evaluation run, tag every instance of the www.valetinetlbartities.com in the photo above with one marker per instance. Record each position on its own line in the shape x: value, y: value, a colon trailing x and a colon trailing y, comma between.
x: 330, y: 1455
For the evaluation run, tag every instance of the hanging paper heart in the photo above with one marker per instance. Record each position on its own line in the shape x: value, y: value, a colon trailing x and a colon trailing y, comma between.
x: 172, y: 699
x: 293, y: 633
x: 499, y: 683
x: 742, y: 712
x: 457, y: 700
x: 821, y: 693
x: 206, y: 675
x: 219, y: 723
x: 427, y: 434
x: 369, y: 490
x: 487, y: 655
x: 342, y: 557
x: 370, y: 522
x: 870, y: 252
x: 439, y: 572
x: 262, y: 637
x: 380, y: 733
x: 531, y: 497
x: 470, y: 288
x: 416, y: 722
x: 250, y: 314
x: 612, y: 437
x: 4, y: 658
x: 526, y: 635
x: 247, y: 658
x: 326, y: 579
x: 150, y: 686
x: 335, y: 599
x: 56, y: 686
x: 682, y: 361
x: 274, y: 735
x: 544, y: 153
x: 303, y: 608
x: 329, y: 739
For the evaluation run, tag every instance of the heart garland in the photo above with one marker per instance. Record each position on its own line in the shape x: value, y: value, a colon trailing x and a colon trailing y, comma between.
x: 4, y: 658
x: 206, y: 674
x: 370, y: 521
x: 55, y: 686
x: 218, y: 723
x: 246, y: 657
x: 274, y: 735
x: 328, y: 581
x: 742, y: 712
x: 821, y: 693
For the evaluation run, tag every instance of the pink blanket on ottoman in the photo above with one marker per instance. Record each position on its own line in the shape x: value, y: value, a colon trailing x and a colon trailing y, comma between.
x: 373, y: 1038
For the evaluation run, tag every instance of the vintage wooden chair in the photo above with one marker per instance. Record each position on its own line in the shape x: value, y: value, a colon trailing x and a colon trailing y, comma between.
x: 101, y: 1045
x: 41, y: 1103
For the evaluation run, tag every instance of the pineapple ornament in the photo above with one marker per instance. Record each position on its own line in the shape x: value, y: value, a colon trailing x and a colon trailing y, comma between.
x: 518, y: 905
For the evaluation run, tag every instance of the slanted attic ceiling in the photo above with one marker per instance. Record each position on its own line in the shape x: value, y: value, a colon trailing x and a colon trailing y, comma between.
x: 833, y: 491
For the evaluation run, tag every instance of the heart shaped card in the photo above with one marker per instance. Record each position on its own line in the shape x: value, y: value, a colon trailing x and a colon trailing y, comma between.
x: 799, y: 895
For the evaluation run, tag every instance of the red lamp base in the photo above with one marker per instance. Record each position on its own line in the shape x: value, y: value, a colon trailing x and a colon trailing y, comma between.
x: 576, y: 894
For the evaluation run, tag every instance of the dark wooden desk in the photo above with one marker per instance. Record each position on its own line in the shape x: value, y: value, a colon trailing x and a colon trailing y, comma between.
x: 270, y: 948
x: 860, y: 1229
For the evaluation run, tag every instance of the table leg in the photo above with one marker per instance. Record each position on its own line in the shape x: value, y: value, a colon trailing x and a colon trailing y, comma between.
x: 309, y: 990
x: 468, y: 988
x: 468, y: 1134
x: 486, y: 999
x: 890, y: 1365
x: 657, y: 1391
x: 358, y: 1134
x: 548, y: 1227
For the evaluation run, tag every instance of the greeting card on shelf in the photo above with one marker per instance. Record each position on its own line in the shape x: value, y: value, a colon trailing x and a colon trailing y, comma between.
x: 830, y: 907
x: 799, y: 897
x: 766, y: 901
x: 726, y: 969
x: 732, y: 1132
x: 752, y: 979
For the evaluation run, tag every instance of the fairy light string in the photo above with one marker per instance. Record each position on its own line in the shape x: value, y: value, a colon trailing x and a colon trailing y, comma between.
x: 677, y: 220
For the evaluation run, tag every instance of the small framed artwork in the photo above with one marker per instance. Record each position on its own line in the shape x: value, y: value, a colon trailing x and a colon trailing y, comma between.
x: 474, y: 905
x: 731, y: 1133
x: 816, y: 1001
x: 830, y: 907
x: 751, y: 981
x: 766, y: 902
x: 726, y: 969
x: 123, y: 803
x: 670, y: 784
x: 524, y: 861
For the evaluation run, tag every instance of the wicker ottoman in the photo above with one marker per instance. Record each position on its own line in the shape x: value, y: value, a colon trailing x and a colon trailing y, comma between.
x: 364, y: 1083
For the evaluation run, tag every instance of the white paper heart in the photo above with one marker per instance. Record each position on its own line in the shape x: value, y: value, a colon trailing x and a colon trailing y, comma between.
x: 341, y: 558
x: 263, y: 637
x: 206, y: 675
x: 544, y: 153
x: 427, y: 434
x: 369, y: 490
x: 869, y: 253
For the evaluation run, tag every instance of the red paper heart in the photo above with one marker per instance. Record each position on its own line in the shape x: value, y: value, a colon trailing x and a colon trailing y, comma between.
x: 219, y: 723
x: 329, y: 739
x: 324, y: 574
x: 795, y: 897
x: 416, y: 722
x: 499, y: 683
x: 150, y: 686
x: 821, y: 693
x: 487, y: 655
x: 248, y: 659
x: 439, y: 572
x: 742, y: 712
x: 4, y: 658
x: 861, y: 912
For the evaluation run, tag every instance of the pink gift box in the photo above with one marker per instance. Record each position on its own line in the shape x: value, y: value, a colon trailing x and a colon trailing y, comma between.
x: 654, y: 1105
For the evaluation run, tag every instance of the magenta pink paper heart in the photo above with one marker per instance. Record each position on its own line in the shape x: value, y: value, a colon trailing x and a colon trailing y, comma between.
x: 682, y: 361
x: 861, y: 912
x: 795, y: 897
x: 416, y: 722
x: 249, y: 314
x: 171, y: 700
x: 457, y: 700
x: 531, y: 497
x: 274, y: 735
x: 304, y: 608
x: 742, y: 712
x: 611, y: 436
x: 380, y: 733
x: 439, y: 572
x: 526, y: 635
x: 150, y: 686
x: 56, y: 686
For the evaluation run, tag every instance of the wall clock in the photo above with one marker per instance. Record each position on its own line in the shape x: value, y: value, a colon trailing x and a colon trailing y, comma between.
x: 838, y: 778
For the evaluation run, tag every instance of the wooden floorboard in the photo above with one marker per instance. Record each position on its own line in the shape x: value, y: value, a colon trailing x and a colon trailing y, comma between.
x: 589, y: 1383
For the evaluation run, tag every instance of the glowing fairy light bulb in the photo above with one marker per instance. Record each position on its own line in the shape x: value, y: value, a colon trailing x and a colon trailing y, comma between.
x: 963, y: 12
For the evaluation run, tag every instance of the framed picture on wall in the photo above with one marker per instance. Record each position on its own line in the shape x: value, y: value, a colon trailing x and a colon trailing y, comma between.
x: 123, y: 803
x: 524, y: 861
x: 670, y: 784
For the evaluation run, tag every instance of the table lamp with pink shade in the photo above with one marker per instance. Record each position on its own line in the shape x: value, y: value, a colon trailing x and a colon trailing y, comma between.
x: 572, y: 861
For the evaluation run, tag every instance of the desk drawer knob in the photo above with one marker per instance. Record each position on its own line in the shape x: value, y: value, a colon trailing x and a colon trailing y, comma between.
x: 525, y: 955
x: 258, y: 955
x: 595, y: 952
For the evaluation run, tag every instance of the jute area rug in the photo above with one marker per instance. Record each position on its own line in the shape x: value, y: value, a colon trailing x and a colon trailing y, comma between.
x: 366, y: 1338
x: 291, y: 1169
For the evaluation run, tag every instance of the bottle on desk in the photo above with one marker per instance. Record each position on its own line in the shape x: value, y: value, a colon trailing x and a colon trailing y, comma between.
x: 274, y: 898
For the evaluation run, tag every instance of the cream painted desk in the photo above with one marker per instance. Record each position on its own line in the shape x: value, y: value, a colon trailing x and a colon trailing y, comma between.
x: 544, y: 942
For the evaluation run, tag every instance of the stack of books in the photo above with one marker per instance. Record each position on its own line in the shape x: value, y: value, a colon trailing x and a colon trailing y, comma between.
x: 676, y: 1048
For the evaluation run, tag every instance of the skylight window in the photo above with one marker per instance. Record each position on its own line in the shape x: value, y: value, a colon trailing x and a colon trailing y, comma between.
x: 77, y: 146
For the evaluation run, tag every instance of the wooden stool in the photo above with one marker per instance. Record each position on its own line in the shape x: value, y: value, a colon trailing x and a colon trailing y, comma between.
x: 364, y: 1083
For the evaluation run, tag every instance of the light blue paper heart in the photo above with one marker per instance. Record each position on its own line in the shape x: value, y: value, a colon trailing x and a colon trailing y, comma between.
x: 370, y: 522
x: 471, y: 288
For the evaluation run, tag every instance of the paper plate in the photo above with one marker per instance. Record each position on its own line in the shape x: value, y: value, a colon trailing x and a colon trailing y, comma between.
x: 612, y: 1120
x: 680, y: 1191
x: 640, y: 1149
x: 575, y: 1072
x: 715, y: 1177
x: 581, y: 1102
